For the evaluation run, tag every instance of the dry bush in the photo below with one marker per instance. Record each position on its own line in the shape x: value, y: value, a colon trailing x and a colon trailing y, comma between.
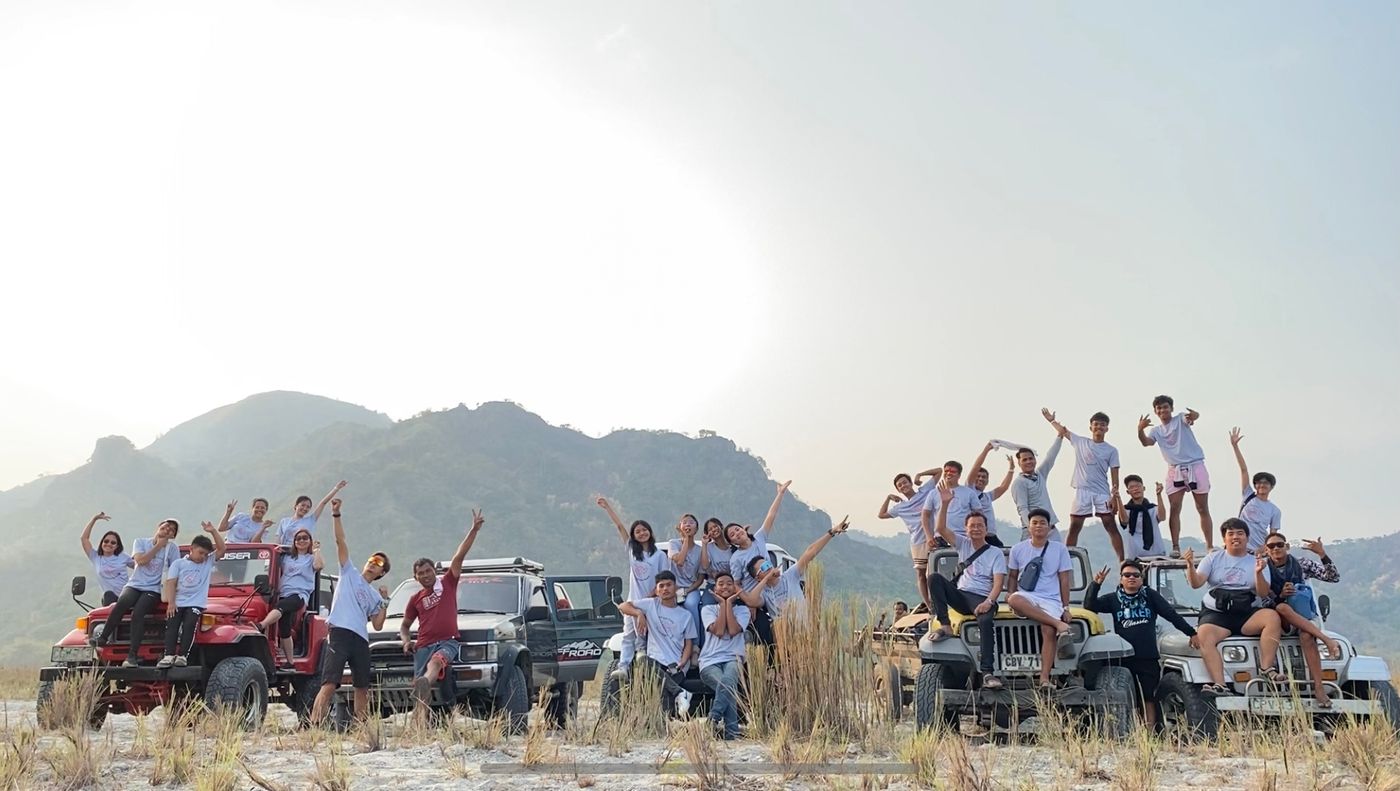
x: 73, y: 760
x: 639, y: 713
x: 1137, y: 768
x: 371, y: 732
x: 963, y: 773
x: 1368, y: 746
x: 72, y: 702
x: 225, y: 728
x: 1265, y: 779
x: 697, y: 741
x: 18, y: 758
x: 922, y: 750
x: 175, y: 749
x: 537, y: 749
x: 331, y: 772
x: 480, y: 734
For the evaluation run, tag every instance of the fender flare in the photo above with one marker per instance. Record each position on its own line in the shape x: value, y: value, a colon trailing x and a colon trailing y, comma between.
x: 507, y: 656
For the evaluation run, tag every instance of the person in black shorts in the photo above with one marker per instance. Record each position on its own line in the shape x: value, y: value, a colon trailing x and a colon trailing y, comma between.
x: 355, y: 602
x: 1135, y: 609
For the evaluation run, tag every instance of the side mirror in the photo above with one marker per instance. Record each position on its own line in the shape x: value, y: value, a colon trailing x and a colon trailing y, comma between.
x: 262, y: 585
x: 615, y: 590
x: 537, y: 613
x: 79, y: 586
x: 1324, y: 605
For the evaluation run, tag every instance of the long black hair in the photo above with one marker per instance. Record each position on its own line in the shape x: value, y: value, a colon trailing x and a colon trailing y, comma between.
x: 641, y: 551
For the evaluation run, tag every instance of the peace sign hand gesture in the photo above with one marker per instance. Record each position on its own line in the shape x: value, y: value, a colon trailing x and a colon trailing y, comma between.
x: 1102, y: 575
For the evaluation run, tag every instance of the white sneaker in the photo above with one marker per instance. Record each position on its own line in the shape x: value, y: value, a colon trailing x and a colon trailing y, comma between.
x: 181, y: 661
x: 166, y: 661
x: 683, y: 704
x: 620, y: 673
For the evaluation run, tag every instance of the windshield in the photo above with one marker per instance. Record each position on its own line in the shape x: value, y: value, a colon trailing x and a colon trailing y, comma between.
x: 1172, y: 584
x: 497, y: 593
x: 238, y: 567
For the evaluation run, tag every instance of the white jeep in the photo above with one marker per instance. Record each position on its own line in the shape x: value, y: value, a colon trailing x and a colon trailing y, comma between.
x: 1358, y: 685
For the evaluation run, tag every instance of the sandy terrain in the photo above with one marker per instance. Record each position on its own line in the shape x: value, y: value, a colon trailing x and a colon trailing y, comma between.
x: 407, y: 760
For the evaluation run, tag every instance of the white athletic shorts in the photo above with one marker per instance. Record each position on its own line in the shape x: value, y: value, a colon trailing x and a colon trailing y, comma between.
x: 1050, y: 606
x: 1089, y: 503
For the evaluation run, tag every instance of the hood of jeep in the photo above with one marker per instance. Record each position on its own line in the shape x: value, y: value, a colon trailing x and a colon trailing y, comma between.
x: 474, y: 627
x: 1005, y: 613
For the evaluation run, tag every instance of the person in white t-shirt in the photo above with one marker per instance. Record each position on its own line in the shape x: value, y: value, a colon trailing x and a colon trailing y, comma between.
x: 304, y: 517
x: 780, y: 592
x: 1047, y: 601
x: 109, y: 559
x: 908, y: 506
x: 1095, y: 479
x: 965, y: 500
x: 645, y: 560
x: 722, y: 655
x: 1186, y: 465
x: 1260, y: 513
x: 981, y: 478
x: 976, y: 589
x: 670, y: 634
x: 245, y: 528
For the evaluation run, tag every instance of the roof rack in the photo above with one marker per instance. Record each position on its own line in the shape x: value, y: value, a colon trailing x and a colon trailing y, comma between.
x: 517, y: 564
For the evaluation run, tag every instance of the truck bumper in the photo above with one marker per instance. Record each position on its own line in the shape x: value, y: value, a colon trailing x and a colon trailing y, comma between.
x: 1274, y: 706
x: 192, y: 673
x: 396, y: 683
x: 1020, y: 698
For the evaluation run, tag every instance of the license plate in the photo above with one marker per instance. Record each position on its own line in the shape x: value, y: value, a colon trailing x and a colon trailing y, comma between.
x: 1274, y: 705
x: 1021, y: 662
x: 73, y: 653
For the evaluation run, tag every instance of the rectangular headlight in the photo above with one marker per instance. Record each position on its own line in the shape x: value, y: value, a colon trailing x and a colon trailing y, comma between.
x: 1234, y: 654
x: 972, y: 635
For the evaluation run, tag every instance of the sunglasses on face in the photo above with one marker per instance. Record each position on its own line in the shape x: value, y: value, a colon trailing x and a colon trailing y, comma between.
x: 765, y: 567
x: 1131, y: 575
x: 1276, y: 545
x: 376, y: 561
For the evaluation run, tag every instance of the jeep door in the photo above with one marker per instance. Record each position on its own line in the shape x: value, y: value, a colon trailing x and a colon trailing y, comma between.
x: 584, y: 617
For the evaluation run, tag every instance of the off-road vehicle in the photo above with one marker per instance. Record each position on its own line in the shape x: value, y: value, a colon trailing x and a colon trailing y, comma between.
x: 521, y: 632
x: 231, y: 664
x: 1358, y: 685
x: 942, y: 681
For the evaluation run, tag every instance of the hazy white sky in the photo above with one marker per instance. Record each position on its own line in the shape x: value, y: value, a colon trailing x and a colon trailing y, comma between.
x: 856, y: 238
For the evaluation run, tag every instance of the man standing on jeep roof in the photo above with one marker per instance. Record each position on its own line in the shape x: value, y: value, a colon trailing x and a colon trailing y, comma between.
x: 355, y: 603
x: 435, y: 609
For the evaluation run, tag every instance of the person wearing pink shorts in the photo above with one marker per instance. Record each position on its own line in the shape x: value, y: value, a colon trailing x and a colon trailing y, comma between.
x: 1186, y: 465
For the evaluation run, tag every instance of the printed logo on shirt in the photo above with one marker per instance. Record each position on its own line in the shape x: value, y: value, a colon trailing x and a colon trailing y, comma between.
x: 641, y: 569
x: 431, y: 601
x: 1234, y: 576
x: 189, y: 579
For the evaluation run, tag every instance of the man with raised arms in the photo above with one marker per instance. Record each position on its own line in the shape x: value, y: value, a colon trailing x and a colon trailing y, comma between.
x: 1095, y: 466
x: 1186, y: 465
x: 908, y: 506
x: 1030, y: 488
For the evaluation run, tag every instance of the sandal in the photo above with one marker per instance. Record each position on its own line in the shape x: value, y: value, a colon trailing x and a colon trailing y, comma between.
x: 1273, y: 675
x: 1215, y: 690
x: 1324, y: 702
x: 1176, y: 553
x: 940, y: 634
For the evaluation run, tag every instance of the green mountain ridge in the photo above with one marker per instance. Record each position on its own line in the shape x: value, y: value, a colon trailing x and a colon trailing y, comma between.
x: 414, y: 482
x: 412, y: 487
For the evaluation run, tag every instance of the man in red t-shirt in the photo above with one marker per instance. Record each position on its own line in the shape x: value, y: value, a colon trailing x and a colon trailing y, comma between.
x: 435, y: 609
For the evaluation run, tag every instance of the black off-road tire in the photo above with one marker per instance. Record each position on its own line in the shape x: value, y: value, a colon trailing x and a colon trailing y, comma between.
x: 239, y: 684
x: 1115, y: 718
x: 303, y: 697
x: 929, y: 710
x: 1182, y: 705
x: 514, y: 700
x: 889, y: 686
x: 42, y: 700
x: 1383, y: 693
x: 609, y: 693
x: 563, y: 704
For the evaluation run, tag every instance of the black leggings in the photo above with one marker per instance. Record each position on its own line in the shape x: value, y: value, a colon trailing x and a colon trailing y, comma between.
x: 109, y: 597
x: 179, y: 628
x: 139, y: 604
x: 289, y: 606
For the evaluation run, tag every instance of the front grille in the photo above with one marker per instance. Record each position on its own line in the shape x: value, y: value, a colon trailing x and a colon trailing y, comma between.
x: 154, y: 631
x: 1018, y: 638
x: 1293, y: 663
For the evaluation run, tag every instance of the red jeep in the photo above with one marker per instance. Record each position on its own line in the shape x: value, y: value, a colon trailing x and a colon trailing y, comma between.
x: 232, y: 662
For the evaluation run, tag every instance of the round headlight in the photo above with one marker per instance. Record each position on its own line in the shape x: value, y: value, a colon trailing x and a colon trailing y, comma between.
x: 97, y: 631
x: 972, y: 635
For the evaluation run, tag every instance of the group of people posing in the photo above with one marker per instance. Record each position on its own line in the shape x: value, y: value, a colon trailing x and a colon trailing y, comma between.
x: 691, y: 600
x: 1255, y: 587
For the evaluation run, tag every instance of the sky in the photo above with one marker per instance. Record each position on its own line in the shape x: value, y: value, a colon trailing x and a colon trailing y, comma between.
x: 858, y: 239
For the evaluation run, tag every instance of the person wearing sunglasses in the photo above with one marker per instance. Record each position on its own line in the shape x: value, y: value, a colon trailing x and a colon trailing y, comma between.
x: 780, y: 592
x: 1135, y: 609
x: 298, y: 571
x: 1292, y: 599
x: 150, y: 558
x: 356, y: 602
x: 109, y: 562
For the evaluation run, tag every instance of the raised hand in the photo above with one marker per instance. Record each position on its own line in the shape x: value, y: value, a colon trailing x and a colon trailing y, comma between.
x: 267, y: 523
x: 1010, y: 462
x: 341, y: 485
x: 1259, y: 564
x: 315, y: 546
x: 602, y: 502
x: 477, y: 519
x: 783, y: 487
x: 1314, y: 545
x: 1235, y: 436
x: 944, y: 492
x: 1144, y: 422
x: 335, y: 506
x: 1189, y: 556
x: 842, y: 526
x: 1047, y: 414
x: 208, y: 527
x: 1191, y: 416
x: 232, y: 504
x: 1102, y: 575
x: 101, y: 517
x: 1159, y: 488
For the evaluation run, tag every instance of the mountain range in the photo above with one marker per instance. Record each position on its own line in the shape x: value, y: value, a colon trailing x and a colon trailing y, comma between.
x: 413, y: 483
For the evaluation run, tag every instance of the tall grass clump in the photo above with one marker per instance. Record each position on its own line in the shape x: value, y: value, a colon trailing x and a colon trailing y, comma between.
x: 71, y: 702
x: 18, y: 758
x: 73, y: 760
x: 697, y: 740
x: 1368, y: 746
x: 639, y: 714
x: 821, y: 679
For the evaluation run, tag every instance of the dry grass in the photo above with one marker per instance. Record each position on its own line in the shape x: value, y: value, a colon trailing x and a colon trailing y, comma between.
x: 697, y: 741
x: 19, y: 757
x: 331, y: 772
x: 18, y: 683
x: 639, y: 713
x: 175, y: 748
x: 72, y: 702
x: 73, y: 761
x: 1138, y: 764
x: 1369, y: 748
x: 537, y: 749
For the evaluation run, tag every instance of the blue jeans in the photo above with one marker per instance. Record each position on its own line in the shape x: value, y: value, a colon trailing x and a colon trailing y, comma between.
x: 723, y: 678
x: 692, y: 605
